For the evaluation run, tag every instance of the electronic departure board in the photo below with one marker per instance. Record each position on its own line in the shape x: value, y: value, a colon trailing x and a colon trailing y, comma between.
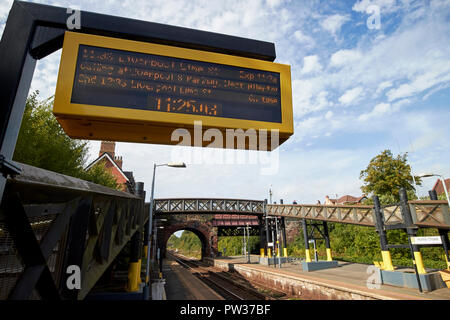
x: 124, y: 79
x: 132, y: 86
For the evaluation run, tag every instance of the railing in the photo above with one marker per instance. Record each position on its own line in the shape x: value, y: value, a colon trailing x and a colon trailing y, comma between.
x: 49, y: 221
x: 187, y: 206
x: 433, y: 214
x: 361, y: 215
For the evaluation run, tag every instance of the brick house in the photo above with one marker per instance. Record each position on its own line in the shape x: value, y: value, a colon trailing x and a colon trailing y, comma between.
x: 347, y: 199
x: 438, y: 187
x: 124, y: 179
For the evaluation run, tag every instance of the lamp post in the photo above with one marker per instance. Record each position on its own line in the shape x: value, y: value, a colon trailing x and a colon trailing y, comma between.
x: 146, y: 289
x: 247, y: 244
x: 244, y: 251
x: 426, y: 175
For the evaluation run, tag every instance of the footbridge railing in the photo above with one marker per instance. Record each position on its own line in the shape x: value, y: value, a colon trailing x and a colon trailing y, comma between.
x: 52, y: 224
x: 210, y: 206
x: 434, y: 214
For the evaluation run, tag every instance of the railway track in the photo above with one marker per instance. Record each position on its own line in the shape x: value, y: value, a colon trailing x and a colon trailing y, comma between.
x: 223, y: 285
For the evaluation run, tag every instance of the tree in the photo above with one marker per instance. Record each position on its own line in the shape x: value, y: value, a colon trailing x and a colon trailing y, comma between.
x: 386, y: 174
x: 43, y: 143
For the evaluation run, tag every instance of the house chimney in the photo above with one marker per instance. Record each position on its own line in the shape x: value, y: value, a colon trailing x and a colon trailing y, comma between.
x: 107, y: 147
x: 118, y: 161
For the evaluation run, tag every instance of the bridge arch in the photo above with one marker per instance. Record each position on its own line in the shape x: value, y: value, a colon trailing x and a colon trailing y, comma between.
x: 204, y: 232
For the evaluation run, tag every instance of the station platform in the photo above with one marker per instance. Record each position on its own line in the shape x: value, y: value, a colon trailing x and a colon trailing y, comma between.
x: 347, y: 281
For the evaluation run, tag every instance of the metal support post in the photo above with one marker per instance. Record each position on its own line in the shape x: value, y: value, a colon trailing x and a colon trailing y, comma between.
x: 379, y: 225
x: 268, y: 236
x: 442, y: 232
x: 306, y: 239
x: 248, y: 244
x: 262, y: 237
x: 147, y: 288
x: 283, y: 229
x: 327, y: 241
x: 278, y: 242
x: 411, y: 231
x: 133, y: 268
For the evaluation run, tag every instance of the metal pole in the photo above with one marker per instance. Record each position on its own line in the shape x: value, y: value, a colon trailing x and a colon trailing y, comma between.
x: 316, y: 256
x: 442, y: 232
x: 278, y: 243
x: 380, y: 229
x: 270, y: 194
x: 274, y: 239
x: 245, y: 244
x: 306, y: 239
x: 155, y: 246
x: 283, y: 230
x: 445, y: 189
x: 248, y: 244
x: 147, y: 287
x: 411, y: 232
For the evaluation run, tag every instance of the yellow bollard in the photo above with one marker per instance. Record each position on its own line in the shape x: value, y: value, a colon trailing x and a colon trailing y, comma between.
x: 307, y: 255
x: 419, y: 262
x: 133, y: 272
x: 145, y: 251
x: 269, y: 252
x: 139, y: 280
x: 285, y: 252
x: 387, y: 261
x: 329, y: 258
x: 261, y: 252
x: 448, y: 262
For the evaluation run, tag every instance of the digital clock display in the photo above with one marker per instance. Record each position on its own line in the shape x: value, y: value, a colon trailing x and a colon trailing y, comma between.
x: 126, y: 79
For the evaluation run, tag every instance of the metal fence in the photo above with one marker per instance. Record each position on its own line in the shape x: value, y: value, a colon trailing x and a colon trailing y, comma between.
x: 49, y: 221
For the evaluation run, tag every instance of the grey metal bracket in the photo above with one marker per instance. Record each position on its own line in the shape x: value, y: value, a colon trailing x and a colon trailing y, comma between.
x: 8, y: 167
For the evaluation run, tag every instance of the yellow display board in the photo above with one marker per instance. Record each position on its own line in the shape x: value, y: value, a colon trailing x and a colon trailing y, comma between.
x: 122, y: 90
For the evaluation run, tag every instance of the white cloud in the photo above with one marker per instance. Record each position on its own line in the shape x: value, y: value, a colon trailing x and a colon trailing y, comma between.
x: 274, y: 3
x: 351, y: 96
x: 344, y: 57
x: 334, y: 23
x: 439, y: 75
x: 385, y: 5
x: 382, y: 86
x: 379, y: 110
x: 307, y: 41
x: 5, y: 6
x: 311, y: 64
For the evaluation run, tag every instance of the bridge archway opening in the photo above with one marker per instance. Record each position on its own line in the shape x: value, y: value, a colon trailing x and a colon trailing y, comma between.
x: 199, y: 236
x: 189, y: 242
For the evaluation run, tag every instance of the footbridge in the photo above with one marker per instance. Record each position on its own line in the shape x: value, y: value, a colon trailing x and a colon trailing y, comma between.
x: 430, y: 213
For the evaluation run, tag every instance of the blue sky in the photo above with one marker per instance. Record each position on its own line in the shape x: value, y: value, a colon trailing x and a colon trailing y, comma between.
x: 356, y: 91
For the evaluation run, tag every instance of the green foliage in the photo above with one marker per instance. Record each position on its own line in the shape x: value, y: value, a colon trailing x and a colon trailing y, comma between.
x: 386, y: 174
x: 233, y: 245
x: 43, y: 143
x: 361, y: 244
x: 187, y: 244
x: 99, y: 174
